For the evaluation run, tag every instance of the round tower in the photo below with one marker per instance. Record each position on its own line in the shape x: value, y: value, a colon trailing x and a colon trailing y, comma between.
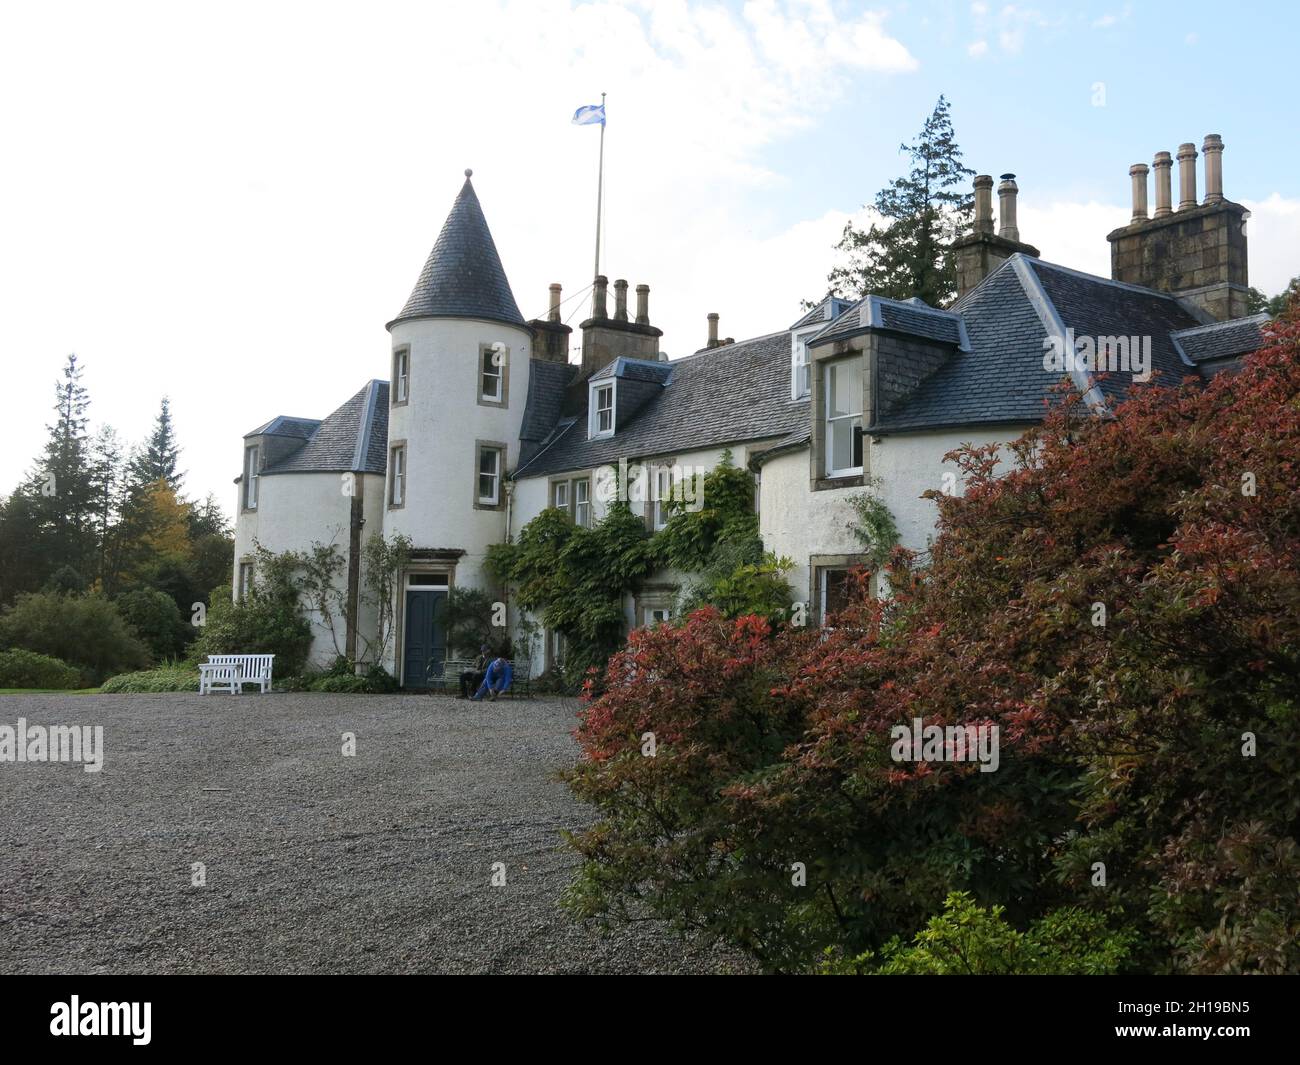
x: 458, y: 384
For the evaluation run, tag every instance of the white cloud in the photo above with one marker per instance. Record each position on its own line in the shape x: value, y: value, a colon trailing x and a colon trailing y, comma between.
x: 977, y: 48
x: 227, y: 210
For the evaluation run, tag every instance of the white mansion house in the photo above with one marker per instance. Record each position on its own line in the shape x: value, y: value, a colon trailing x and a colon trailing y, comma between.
x: 483, y: 421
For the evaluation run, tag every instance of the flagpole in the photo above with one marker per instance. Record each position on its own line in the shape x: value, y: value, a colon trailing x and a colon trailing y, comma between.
x: 600, y: 182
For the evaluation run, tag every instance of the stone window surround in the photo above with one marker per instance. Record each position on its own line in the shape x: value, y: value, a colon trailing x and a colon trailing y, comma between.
x: 572, y: 480
x: 399, y: 615
x: 403, y: 349
x: 500, y: 447
x: 652, y: 597
x: 818, y: 564
x: 648, y: 505
x: 251, y: 479
x: 818, y: 480
x: 246, y: 570
x: 393, y: 447
x: 503, y: 366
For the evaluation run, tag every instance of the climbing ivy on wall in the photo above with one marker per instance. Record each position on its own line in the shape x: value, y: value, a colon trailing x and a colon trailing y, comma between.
x: 576, y: 578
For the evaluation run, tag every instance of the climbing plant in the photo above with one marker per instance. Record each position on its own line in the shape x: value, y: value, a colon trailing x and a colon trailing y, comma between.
x: 873, y: 526
x: 576, y: 578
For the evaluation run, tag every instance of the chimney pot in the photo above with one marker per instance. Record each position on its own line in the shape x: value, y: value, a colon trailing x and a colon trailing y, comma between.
x: 1163, y: 166
x: 1138, y: 172
x: 1213, y: 150
x: 1186, y: 176
x: 984, y: 204
x: 553, y: 315
x: 713, y: 330
x: 1007, y: 208
x: 643, y: 305
x: 620, y: 300
x: 598, y: 292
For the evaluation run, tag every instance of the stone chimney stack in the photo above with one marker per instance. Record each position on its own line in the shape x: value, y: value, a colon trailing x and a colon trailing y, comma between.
x: 1197, y: 253
x: 1138, y: 172
x: 1186, y: 176
x: 1212, y: 149
x: 551, y: 335
x: 605, y: 339
x: 978, y: 253
x: 713, y: 330
x: 1163, y: 166
x: 983, y: 204
x: 1007, y: 208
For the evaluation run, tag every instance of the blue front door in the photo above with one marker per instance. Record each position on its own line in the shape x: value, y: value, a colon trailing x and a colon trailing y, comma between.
x: 425, y: 638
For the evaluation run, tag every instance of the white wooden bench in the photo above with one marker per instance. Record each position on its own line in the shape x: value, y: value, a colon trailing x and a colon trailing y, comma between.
x: 216, y: 676
x: 249, y: 669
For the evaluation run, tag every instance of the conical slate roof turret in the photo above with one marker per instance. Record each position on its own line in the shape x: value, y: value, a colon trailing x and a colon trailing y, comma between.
x: 463, y: 277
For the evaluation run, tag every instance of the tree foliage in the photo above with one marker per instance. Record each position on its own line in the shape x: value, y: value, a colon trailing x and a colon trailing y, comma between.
x: 1123, y: 604
x: 922, y: 213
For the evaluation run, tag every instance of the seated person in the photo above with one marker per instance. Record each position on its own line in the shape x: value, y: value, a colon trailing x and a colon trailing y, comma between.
x: 471, y: 678
x: 496, y: 680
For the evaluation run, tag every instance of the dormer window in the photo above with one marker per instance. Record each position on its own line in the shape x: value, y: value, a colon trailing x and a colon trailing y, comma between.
x: 602, y: 411
x: 800, y: 380
x: 843, y: 389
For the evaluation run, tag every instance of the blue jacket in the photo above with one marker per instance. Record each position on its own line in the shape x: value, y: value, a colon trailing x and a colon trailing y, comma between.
x: 497, y: 679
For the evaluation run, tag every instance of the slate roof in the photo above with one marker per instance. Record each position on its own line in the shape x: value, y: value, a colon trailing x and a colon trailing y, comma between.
x: 725, y: 395
x: 994, y: 375
x: 354, y: 438
x: 284, y: 426
x: 547, y: 384
x: 635, y: 370
x: 913, y: 316
x: 1097, y: 307
x: 1001, y: 379
x: 1222, y: 340
x: 463, y: 276
x: 830, y: 307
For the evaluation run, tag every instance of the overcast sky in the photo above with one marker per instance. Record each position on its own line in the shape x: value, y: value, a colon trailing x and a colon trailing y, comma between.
x: 225, y: 203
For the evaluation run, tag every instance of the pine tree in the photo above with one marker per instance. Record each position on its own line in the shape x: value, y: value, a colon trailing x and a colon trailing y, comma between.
x: 62, y: 486
x: 159, y: 456
x: 923, y: 212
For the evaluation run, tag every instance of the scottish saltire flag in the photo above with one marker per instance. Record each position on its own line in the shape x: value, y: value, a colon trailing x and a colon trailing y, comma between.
x: 590, y: 115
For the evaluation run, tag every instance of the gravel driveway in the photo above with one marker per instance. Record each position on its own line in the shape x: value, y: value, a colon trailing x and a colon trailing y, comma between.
x: 314, y: 862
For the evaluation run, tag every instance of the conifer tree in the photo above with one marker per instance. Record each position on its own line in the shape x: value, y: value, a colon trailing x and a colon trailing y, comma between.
x: 62, y: 485
x: 906, y: 254
x: 160, y: 454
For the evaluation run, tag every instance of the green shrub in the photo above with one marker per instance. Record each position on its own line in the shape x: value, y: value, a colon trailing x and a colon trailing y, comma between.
x: 156, y: 620
x: 85, y: 631
x: 27, y: 669
x: 342, y: 677
x: 169, y: 678
x: 263, y: 623
x: 969, y: 940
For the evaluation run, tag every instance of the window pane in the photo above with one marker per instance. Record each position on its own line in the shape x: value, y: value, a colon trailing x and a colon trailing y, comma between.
x: 843, y: 388
x: 488, y: 469
x: 846, y: 443
x: 835, y: 591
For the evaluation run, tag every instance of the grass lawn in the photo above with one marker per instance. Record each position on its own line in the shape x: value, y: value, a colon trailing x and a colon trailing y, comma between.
x: 48, y: 691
